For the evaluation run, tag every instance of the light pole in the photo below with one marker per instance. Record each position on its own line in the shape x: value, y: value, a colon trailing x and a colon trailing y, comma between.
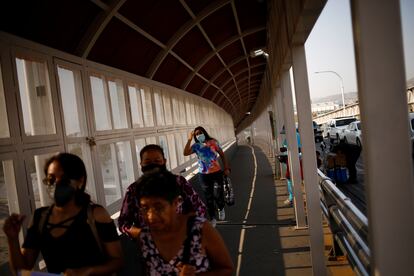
x: 341, y: 83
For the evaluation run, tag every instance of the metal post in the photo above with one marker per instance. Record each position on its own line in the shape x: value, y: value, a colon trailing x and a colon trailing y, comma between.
x: 293, y: 153
x: 280, y: 122
x: 310, y: 176
x: 389, y: 168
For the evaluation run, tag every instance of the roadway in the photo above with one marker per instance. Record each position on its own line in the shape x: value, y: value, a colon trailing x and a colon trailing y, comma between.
x: 355, y: 191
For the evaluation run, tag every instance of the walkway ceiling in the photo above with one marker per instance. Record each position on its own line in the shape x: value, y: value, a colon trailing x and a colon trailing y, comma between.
x: 201, y: 46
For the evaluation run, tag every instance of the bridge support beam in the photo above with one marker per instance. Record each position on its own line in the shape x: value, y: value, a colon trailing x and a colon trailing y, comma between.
x: 293, y: 153
x: 386, y: 148
x: 310, y: 177
x: 279, y: 111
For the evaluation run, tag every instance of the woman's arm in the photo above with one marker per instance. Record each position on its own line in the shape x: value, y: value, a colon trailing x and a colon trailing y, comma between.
x: 187, y: 148
x: 224, y: 160
x: 19, y: 258
x: 217, y: 253
x: 112, y: 250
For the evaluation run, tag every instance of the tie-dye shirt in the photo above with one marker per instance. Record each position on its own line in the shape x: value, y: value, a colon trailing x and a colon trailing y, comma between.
x: 207, y: 154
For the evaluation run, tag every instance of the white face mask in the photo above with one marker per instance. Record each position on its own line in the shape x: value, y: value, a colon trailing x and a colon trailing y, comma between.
x: 201, y: 138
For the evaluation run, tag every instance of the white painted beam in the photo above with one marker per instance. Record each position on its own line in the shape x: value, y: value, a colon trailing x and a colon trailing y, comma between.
x: 388, y: 164
x: 293, y: 153
x: 310, y: 176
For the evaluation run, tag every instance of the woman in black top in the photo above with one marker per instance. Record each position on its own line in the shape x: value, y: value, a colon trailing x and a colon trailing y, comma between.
x: 61, y: 232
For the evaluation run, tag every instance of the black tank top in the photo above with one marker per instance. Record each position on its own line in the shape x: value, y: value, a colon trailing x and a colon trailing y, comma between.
x: 76, y: 248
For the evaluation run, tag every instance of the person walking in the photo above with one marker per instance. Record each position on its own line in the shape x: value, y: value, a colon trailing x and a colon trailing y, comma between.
x: 173, y: 243
x: 352, y: 153
x: 69, y: 242
x: 289, y: 200
x: 153, y: 160
x: 207, y: 150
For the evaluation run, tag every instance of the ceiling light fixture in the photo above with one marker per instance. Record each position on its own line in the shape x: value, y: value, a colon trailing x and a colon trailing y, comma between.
x: 258, y: 52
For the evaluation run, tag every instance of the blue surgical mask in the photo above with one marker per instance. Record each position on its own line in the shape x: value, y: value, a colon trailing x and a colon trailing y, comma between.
x: 201, y: 138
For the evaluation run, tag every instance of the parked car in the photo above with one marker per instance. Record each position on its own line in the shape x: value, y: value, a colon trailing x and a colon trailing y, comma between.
x: 324, y: 128
x: 336, y: 127
x: 411, y: 121
x: 352, y: 133
x: 317, y: 132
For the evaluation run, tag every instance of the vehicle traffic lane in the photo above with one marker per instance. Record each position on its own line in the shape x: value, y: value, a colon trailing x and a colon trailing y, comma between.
x: 355, y: 191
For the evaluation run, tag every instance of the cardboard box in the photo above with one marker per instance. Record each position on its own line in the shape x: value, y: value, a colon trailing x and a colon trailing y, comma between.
x: 330, y: 160
x: 340, y: 160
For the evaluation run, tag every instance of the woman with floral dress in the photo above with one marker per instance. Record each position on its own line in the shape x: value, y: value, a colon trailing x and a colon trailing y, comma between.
x: 174, y: 243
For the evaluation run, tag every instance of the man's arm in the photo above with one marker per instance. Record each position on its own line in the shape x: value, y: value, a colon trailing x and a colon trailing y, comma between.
x: 129, y: 219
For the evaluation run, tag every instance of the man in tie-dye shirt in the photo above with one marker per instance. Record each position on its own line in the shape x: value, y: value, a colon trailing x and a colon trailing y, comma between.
x: 208, y: 150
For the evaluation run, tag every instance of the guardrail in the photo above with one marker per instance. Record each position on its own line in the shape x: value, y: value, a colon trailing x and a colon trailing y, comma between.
x: 348, y: 225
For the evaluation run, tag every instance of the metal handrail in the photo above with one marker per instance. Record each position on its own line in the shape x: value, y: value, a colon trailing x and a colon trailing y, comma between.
x: 353, y: 259
x: 348, y: 224
x: 358, y: 245
x: 352, y: 213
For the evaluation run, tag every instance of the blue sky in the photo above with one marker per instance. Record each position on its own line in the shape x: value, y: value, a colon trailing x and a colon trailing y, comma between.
x: 330, y: 47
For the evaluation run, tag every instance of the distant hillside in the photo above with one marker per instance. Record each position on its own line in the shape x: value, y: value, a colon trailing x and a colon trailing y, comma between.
x: 337, y: 98
x: 350, y: 96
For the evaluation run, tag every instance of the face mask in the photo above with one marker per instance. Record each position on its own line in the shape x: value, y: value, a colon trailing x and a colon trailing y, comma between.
x: 153, y: 168
x: 201, y: 138
x: 64, y: 192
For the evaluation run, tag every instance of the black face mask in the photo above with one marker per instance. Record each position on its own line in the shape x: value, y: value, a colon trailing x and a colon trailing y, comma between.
x: 64, y: 192
x: 150, y: 168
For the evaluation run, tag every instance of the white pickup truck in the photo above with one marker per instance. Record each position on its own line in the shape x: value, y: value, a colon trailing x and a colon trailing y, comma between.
x: 335, y: 128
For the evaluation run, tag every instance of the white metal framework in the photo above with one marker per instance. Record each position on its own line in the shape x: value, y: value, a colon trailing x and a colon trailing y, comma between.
x: 55, y: 102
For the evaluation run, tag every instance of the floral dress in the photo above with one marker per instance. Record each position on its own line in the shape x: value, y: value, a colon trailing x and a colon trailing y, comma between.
x: 156, y: 265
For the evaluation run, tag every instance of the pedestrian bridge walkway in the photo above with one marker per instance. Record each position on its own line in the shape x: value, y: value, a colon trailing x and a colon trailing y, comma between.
x: 259, y: 229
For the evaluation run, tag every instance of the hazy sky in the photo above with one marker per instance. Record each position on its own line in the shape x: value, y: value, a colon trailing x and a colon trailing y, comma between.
x: 330, y: 47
